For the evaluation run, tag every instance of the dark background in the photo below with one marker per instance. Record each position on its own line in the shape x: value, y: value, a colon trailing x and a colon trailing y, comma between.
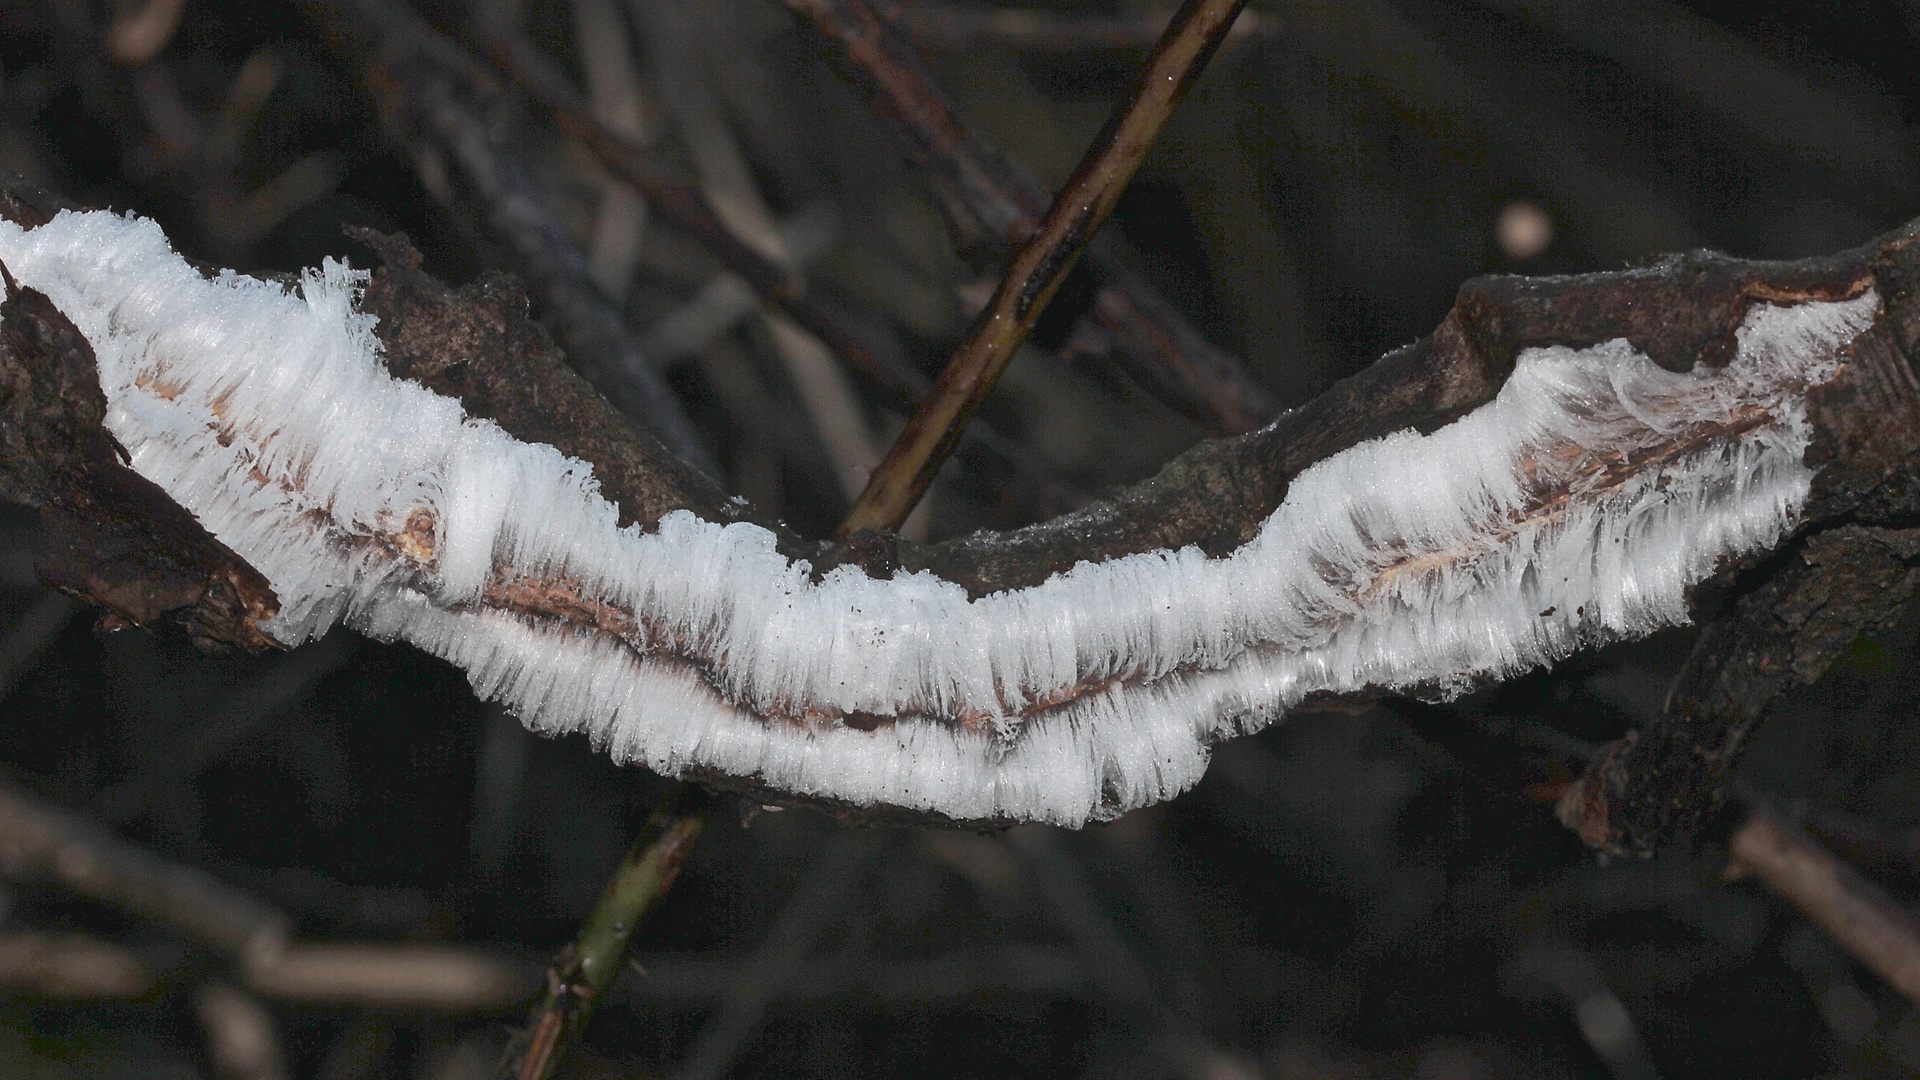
x: 1352, y: 896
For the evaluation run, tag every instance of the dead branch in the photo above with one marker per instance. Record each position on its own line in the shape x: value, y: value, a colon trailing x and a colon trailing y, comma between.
x: 1041, y: 267
x: 993, y: 208
x: 69, y: 966
x: 41, y: 841
x: 878, y: 362
x: 957, y: 27
x: 816, y: 904
x: 1660, y: 782
x: 680, y: 202
x: 409, y: 976
x: 112, y: 536
x: 416, y: 79
x: 1878, y: 932
x: 139, y: 31
x: 1041, y: 970
x: 242, y: 1039
x: 1682, y: 311
x: 282, y: 683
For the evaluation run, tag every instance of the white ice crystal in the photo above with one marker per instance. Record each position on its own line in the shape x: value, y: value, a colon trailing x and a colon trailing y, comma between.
x: 1556, y: 516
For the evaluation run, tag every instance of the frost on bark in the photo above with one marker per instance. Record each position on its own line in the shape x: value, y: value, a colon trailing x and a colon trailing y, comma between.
x: 1653, y: 433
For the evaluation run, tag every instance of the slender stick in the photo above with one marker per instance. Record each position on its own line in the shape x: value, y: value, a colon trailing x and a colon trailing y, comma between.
x: 953, y: 27
x: 1036, y: 273
x: 40, y: 840
x: 1878, y: 932
x: 587, y: 967
x: 680, y: 201
x: 994, y: 207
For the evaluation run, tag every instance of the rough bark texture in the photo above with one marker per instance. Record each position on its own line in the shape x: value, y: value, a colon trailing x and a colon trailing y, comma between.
x: 1659, y: 784
x: 480, y: 345
x: 1846, y: 580
x: 109, y: 535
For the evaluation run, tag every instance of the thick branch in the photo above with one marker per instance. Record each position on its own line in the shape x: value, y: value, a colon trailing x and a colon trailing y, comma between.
x: 1660, y: 782
x: 111, y: 537
x: 1758, y: 393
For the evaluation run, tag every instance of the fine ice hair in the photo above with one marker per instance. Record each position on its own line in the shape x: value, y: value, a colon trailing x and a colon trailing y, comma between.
x: 1414, y: 562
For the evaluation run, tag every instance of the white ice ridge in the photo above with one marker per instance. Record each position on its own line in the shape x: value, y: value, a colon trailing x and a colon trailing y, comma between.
x: 1412, y: 561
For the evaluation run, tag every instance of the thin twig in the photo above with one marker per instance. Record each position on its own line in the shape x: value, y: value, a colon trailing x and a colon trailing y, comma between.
x: 957, y: 27
x: 993, y: 208
x: 619, y: 101
x: 681, y: 203
x: 1740, y: 83
x: 728, y: 298
x: 813, y: 906
x: 1037, y: 272
x: 69, y: 966
x: 40, y: 840
x: 1040, y: 970
x: 416, y: 976
x: 416, y: 75
x: 242, y: 1040
x: 140, y: 31
x: 826, y: 395
x: 282, y: 682
x: 587, y: 967
x: 1112, y: 965
x: 1878, y: 932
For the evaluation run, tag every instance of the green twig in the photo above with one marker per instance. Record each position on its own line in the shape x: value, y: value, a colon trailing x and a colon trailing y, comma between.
x: 1037, y: 272
x: 587, y: 967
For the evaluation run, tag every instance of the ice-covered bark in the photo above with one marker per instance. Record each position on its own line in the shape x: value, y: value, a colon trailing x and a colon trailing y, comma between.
x: 1578, y: 505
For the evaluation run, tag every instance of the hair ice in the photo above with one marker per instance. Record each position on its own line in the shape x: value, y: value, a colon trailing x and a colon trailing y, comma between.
x: 1576, y: 507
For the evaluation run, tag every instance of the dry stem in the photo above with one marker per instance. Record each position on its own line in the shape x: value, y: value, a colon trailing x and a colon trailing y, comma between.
x: 1878, y: 932
x: 587, y: 966
x: 1040, y: 268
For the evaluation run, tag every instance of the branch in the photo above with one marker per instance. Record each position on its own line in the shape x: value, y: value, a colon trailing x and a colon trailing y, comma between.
x: 956, y: 27
x: 410, y: 976
x: 884, y: 371
x: 588, y: 966
x: 69, y: 966
x: 817, y: 903
x: 993, y: 209
x: 680, y: 202
x: 414, y: 76
x: 111, y: 537
x: 1038, y: 271
x: 42, y: 841
x: 1878, y: 932
x: 1660, y: 782
x: 1559, y: 465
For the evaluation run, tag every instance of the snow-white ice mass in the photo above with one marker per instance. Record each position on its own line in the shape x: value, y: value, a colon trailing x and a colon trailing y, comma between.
x: 1575, y: 508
